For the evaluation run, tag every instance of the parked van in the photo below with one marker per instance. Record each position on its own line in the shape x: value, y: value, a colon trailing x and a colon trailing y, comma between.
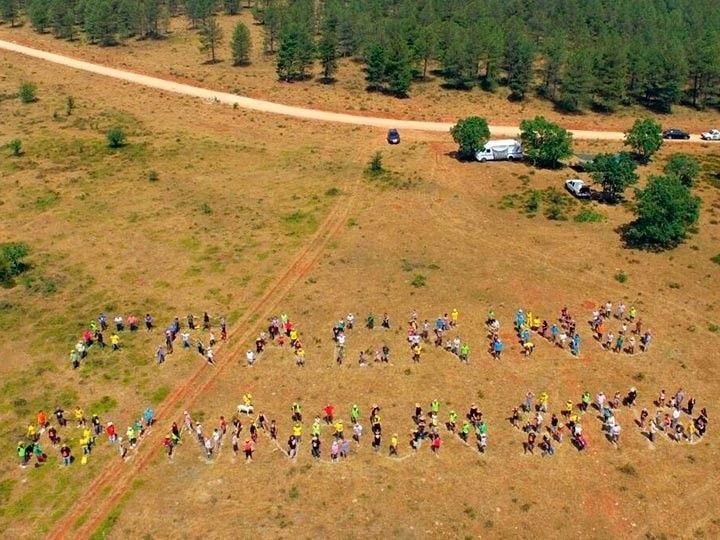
x: 509, y: 149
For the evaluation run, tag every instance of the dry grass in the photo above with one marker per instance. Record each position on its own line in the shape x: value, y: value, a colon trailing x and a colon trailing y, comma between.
x: 178, y: 57
x: 115, y: 241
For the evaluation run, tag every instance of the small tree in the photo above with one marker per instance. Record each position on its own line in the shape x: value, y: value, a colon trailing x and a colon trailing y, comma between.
x: 683, y: 167
x: 116, y: 138
x: 27, y: 92
x: 328, y: 54
x: 241, y: 45
x: 38, y: 13
x: 376, y: 65
x: 15, y: 146
x: 645, y: 138
x: 12, y: 263
x: 665, y: 212
x: 470, y: 134
x: 614, y: 172
x: 211, y: 37
x: 69, y: 105
x: 545, y: 143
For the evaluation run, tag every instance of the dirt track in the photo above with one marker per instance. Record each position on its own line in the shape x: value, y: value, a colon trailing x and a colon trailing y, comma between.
x: 108, y: 489
x: 278, y: 108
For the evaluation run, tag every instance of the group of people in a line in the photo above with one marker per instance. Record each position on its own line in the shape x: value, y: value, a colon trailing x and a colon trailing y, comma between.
x: 279, y: 331
x: 530, y: 418
x: 629, y: 337
x: 94, y: 335
x: 562, y: 333
x: 59, y: 436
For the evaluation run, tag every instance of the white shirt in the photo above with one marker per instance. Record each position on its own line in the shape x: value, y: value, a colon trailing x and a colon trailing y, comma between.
x: 341, y: 339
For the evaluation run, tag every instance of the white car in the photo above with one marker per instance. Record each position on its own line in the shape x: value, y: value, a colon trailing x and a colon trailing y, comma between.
x: 712, y: 135
x: 578, y: 188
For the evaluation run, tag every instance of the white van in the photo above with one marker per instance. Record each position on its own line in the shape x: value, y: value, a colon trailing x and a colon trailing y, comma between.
x: 509, y: 149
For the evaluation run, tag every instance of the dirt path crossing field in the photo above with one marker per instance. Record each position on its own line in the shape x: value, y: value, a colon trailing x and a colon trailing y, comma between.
x: 278, y: 108
x: 107, y: 490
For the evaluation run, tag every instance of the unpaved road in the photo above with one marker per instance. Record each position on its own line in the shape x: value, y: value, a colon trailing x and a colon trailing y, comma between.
x: 277, y: 108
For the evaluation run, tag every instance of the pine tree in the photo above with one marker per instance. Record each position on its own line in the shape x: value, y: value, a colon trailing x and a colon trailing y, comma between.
x: 555, y: 55
x: 241, y: 45
x: 38, y: 12
x: 609, y: 77
x: 296, y: 53
x: 399, y: 70
x: 328, y: 53
x: 425, y: 46
x: 376, y: 65
x: 100, y: 22
x: 494, y: 45
x: 231, y: 7
x: 211, y: 37
x: 62, y: 19
x: 576, y: 81
x: 519, y: 65
x: 9, y: 9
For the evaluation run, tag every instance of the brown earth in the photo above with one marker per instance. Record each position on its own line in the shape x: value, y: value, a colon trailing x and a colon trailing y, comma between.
x: 438, y: 218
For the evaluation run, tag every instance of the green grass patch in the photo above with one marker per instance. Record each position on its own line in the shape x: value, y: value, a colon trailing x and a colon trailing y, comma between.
x: 716, y: 259
x: 628, y: 469
x: 587, y: 215
x: 104, y: 405
x: 418, y: 281
x: 298, y: 223
x: 159, y: 394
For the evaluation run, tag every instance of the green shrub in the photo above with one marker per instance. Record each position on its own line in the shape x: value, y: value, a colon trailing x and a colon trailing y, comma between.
x: 116, y: 138
x: 15, y: 147
x: 27, y: 92
x: 153, y: 176
x: 375, y: 166
x: 621, y: 277
x: 69, y: 105
x: 716, y: 259
x: 12, y: 262
x: 586, y: 215
x: 418, y: 281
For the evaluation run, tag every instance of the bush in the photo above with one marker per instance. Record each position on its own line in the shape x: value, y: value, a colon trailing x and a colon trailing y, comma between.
x: 69, y: 105
x: 545, y: 143
x: 586, y: 215
x: 27, y: 92
x: 418, y: 281
x: 375, y: 166
x: 621, y: 277
x: 12, y: 262
x: 666, y: 212
x: 116, y: 138
x: 470, y: 134
x: 153, y: 176
x: 683, y: 167
x: 15, y: 147
x: 716, y: 259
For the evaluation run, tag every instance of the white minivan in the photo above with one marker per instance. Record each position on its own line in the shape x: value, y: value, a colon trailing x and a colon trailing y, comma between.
x: 509, y: 149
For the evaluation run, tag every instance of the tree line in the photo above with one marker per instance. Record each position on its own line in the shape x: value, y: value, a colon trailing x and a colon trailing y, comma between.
x: 579, y: 54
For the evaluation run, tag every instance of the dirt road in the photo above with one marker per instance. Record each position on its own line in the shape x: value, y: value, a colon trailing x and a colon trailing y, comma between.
x: 106, y: 491
x: 277, y: 108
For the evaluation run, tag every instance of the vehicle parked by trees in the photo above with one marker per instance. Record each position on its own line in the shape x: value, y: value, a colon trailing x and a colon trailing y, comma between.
x: 508, y: 149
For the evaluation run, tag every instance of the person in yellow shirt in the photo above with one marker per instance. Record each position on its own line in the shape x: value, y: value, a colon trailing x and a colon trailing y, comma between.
x: 543, y: 400
x: 568, y: 407
x: 454, y: 314
x: 293, y: 337
x: 79, y: 416
x: 247, y: 400
x: 297, y: 432
x: 31, y: 432
x: 115, y: 342
x: 394, y: 445
x: 339, y: 427
x: 300, y: 357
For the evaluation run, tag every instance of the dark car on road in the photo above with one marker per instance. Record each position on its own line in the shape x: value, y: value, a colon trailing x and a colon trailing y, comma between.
x: 393, y: 137
x: 675, y: 133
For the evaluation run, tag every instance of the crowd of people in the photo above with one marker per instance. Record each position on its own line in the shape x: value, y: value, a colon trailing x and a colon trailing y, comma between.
x: 94, y: 336
x: 57, y: 428
x: 530, y: 418
x: 628, y: 338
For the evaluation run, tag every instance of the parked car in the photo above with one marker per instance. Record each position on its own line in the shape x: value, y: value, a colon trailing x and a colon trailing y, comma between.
x: 674, y: 133
x: 393, y: 137
x: 578, y: 188
x: 712, y: 135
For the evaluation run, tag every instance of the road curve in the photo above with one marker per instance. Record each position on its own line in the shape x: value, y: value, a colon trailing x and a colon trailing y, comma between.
x: 277, y: 108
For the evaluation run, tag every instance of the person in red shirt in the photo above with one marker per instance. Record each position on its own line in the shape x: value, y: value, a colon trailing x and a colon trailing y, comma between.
x: 329, y: 411
x: 110, y: 430
x: 41, y: 419
x: 436, y: 442
x: 248, y: 449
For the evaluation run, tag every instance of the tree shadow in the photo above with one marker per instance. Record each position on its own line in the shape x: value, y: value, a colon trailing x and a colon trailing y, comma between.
x: 212, y: 62
x: 327, y: 80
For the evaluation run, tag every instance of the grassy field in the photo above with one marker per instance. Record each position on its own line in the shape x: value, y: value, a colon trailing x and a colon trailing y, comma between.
x: 178, y: 57
x: 237, y: 195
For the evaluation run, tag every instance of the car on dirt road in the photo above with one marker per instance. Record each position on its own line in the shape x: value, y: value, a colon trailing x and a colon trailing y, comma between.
x: 578, y: 188
x: 712, y: 135
x: 393, y: 136
x: 674, y: 133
